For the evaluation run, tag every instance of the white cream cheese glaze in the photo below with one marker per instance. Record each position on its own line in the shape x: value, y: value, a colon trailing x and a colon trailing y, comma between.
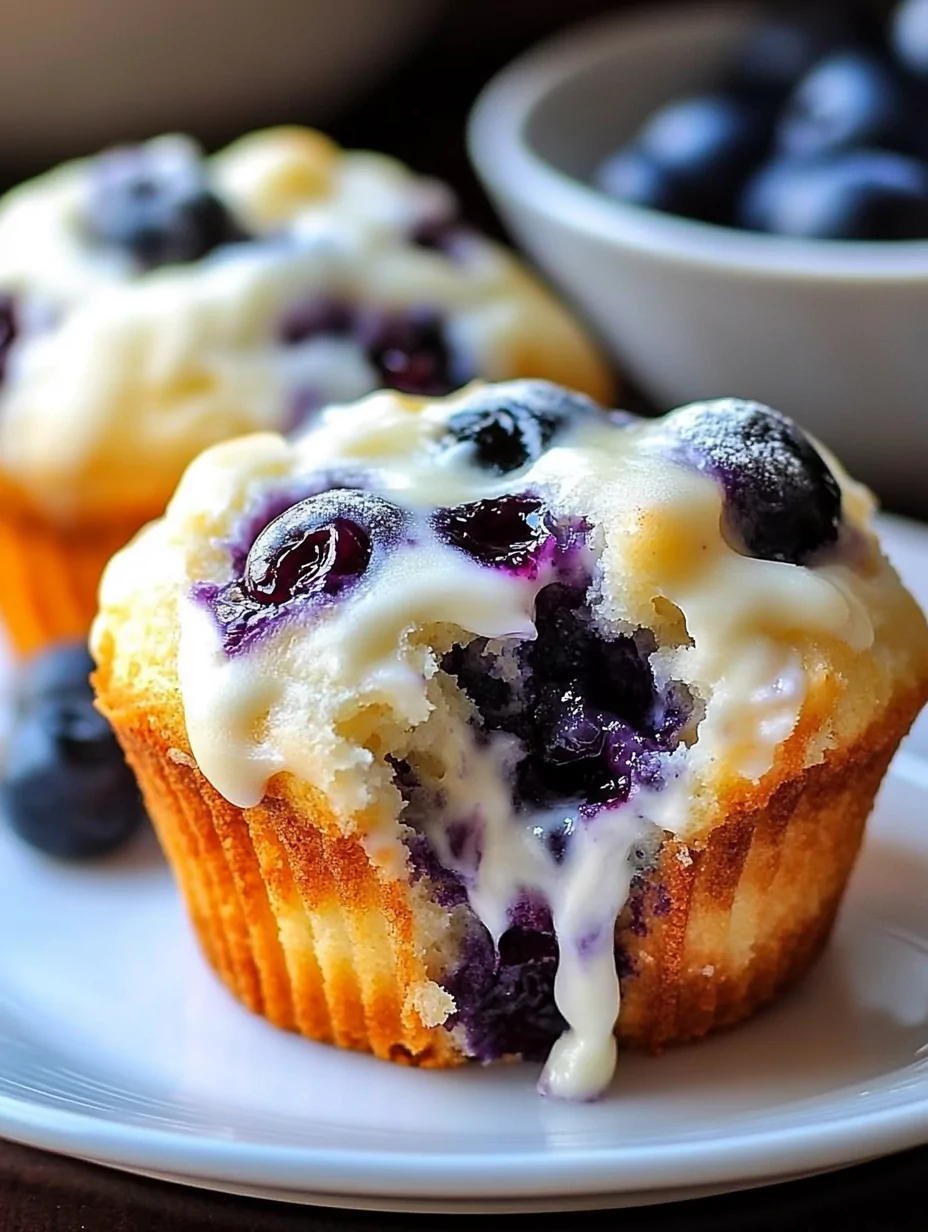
x: 327, y: 696
x: 117, y: 377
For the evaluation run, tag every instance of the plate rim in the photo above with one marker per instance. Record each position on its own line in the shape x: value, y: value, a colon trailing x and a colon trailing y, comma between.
x: 759, y: 1155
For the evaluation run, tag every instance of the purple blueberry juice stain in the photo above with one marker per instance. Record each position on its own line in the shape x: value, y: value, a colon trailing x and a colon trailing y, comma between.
x: 663, y: 903
x: 447, y: 887
x: 594, y: 726
x: 590, y: 942
x: 465, y: 844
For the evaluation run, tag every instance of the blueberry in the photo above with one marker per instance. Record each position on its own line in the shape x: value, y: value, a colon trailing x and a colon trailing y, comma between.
x: 909, y: 35
x: 590, y: 719
x: 316, y: 546
x: 9, y: 328
x: 153, y: 201
x: 783, y: 48
x: 410, y: 351
x: 691, y: 155
x: 61, y: 671
x: 312, y: 551
x: 850, y: 98
x: 855, y: 195
x: 782, y: 503
x: 510, y: 425
x: 572, y: 729
x: 633, y: 176
x: 505, y: 995
x: 66, y: 788
x: 504, y: 532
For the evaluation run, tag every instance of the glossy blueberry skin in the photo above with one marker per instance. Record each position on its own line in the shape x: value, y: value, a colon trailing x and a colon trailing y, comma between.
x: 303, y: 556
x: 850, y: 98
x: 503, y: 533
x: 299, y: 553
x: 690, y: 156
x: 781, y: 49
x: 782, y: 503
x: 909, y: 36
x: 855, y: 195
x: 155, y: 205
x: 66, y: 788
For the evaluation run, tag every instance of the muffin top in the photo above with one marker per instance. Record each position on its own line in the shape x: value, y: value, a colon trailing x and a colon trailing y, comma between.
x: 540, y: 634
x: 153, y: 302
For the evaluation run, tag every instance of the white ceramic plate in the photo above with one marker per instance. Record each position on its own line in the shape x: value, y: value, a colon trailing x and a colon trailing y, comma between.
x: 118, y: 1045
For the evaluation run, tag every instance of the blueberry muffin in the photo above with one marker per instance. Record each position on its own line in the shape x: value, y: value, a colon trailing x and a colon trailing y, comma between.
x: 153, y: 302
x: 494, y: 726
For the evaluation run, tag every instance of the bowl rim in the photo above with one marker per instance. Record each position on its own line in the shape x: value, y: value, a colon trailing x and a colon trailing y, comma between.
x: 508, y: 164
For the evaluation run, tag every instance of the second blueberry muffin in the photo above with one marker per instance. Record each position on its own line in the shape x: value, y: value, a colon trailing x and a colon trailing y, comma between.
x: 154, y: 302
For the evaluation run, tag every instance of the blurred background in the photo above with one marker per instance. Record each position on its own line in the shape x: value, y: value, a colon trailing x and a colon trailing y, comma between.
x: 397, y: 75
x: 401, y: 76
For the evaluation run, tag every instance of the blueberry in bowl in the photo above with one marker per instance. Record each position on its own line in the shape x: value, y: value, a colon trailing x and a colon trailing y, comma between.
x: 65, y: 787
x: 804, y: 290
x: 691, y: 156
x: 519, y: 739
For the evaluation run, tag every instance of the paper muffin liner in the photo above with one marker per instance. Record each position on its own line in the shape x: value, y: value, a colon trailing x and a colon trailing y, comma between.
x: 51, y: 575
x: 305, y: 930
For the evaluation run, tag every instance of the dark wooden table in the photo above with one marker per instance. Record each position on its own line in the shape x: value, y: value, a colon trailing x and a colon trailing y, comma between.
x: 44, y: 1193
x: 419, y: 116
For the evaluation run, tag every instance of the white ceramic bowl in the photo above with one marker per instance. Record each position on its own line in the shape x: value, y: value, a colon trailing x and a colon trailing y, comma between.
x: 833, y: 333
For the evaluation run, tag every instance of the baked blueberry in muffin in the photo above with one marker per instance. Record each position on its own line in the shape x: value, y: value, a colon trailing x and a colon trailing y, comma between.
x: 495, y: 726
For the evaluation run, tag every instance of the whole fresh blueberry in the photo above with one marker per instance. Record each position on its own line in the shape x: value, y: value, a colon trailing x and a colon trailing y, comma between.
x: 61, y: 671
x: 850, y: 98
x: 853, y: 195
x: 509, y: 425
x: 9, y: 328
x: 153, y: 202
x: 909, y: 35
x: 703, y: 146
x: 633, y: 176
x: 783, y: 47
x: 506, y: 532
x: 781, y: 501
x: 66, y: 788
